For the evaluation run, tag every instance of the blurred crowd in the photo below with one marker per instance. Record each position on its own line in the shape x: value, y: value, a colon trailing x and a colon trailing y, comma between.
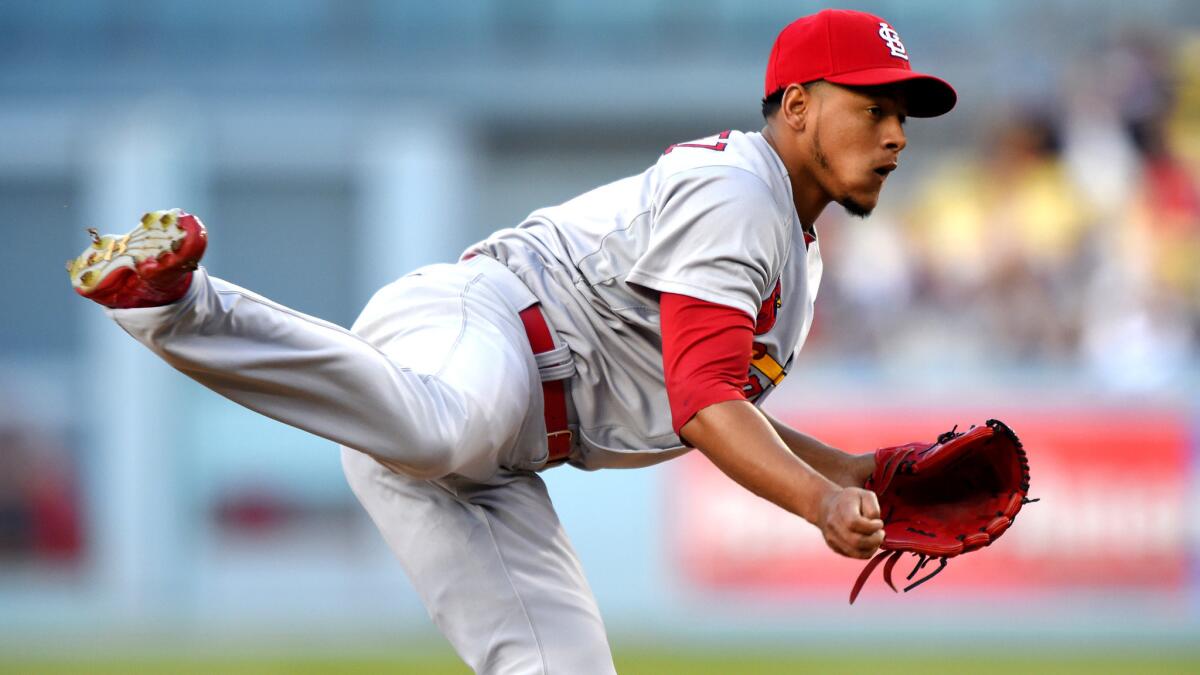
x: 1068, y: 237
x: 40, y: 502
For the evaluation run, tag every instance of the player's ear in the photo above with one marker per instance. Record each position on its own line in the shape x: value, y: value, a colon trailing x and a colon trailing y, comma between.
x: 796, y: 106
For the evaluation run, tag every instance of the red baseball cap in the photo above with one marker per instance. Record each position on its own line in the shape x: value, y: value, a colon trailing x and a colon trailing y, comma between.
x: 856, y: 49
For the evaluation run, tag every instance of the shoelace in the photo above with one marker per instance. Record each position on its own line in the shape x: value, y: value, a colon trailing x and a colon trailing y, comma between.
x: 892, y: 558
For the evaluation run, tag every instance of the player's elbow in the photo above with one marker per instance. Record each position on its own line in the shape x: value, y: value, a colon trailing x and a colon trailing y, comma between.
x: 709, y: 422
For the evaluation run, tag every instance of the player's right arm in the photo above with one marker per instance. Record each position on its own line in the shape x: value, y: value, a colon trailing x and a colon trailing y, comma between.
x: 741, y: 442
x: 706, y: 355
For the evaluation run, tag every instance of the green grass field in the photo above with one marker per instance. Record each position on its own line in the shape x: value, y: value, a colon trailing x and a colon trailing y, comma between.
x: 640, y: 661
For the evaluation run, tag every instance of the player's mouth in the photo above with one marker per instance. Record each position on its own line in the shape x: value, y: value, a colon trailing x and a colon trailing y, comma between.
x: 884, y: 170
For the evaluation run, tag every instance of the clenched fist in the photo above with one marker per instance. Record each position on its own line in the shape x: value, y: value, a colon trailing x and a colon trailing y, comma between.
x: 850, y: 522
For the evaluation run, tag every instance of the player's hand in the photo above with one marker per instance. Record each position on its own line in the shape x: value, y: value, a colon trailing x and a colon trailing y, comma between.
x: 850, y: 522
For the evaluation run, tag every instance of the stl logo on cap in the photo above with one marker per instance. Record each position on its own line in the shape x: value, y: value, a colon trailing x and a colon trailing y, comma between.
x: 892, y: 38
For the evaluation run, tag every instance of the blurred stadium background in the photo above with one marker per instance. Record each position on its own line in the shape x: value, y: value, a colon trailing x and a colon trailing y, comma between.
x: 1037, y: 258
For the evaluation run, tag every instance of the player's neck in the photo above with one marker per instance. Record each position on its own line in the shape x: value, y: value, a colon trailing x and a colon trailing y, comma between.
x: 808, y: 196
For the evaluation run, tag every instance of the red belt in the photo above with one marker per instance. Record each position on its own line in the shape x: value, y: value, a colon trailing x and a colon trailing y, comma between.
x: 554, y: 395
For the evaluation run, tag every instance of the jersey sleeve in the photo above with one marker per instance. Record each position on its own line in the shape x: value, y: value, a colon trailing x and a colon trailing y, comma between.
x: 706, y: 354
x: 717, y: 236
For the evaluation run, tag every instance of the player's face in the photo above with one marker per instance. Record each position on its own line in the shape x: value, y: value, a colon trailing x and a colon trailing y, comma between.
x: 857, y: 136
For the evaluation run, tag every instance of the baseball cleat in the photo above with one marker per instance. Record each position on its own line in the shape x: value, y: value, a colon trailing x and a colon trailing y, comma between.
x: 150, y: 266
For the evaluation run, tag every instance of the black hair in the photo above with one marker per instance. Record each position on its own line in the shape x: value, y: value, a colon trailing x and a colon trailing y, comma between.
x: 772, y: 102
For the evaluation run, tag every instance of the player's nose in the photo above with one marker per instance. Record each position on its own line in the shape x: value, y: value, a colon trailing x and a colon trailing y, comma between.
x: 894, y: 138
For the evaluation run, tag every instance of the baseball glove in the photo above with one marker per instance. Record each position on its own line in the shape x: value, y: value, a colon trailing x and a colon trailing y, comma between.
x: 946, y: 498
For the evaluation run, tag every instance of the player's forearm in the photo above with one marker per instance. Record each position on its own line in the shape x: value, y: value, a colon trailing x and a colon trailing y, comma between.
x: 840, y: 467
x: 740, y: 441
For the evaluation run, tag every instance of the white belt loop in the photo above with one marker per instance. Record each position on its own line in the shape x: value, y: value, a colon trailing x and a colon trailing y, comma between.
x: 555, y: 364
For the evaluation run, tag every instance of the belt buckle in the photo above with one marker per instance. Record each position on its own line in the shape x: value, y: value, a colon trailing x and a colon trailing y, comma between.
x: 558, y: 443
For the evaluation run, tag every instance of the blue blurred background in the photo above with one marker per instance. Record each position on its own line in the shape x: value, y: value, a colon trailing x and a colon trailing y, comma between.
x: 1039, y: 248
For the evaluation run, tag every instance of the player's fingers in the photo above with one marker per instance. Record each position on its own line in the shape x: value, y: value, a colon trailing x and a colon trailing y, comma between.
x: 862, y: 551
x: 850, y: 533
x: 854, y: 545
x: 850, y: 551
x: 862, y: 548
x: 862, y: 525
x: 871, y: 543
x: 843, y: 542
x: 868, y: 504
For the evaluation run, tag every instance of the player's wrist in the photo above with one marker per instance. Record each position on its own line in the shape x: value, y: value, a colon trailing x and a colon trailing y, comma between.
x: 827, y: 499
x: 852, y: 470
x: 858, y: 469
x: 823, y: 496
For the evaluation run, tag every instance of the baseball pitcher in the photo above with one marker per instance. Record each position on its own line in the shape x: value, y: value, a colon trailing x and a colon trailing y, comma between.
x: 632, y: 324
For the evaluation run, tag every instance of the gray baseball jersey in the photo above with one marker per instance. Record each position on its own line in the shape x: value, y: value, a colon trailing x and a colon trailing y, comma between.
x: 712, y: 219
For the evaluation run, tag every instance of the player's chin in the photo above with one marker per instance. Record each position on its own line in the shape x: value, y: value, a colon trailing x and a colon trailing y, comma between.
x: 860, y: 205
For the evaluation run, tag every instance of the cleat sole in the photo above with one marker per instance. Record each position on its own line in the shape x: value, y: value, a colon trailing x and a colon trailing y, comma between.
x: 159, y: 235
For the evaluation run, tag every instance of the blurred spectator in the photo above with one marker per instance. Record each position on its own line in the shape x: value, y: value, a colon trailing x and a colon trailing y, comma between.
x: 870, y: 282
x: 1183, y: 126
x: 1062, y: 237
x: 1142, y: 310
x: 39, y: 499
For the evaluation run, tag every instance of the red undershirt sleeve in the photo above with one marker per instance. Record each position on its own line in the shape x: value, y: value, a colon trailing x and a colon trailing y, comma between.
x: 706, y: 354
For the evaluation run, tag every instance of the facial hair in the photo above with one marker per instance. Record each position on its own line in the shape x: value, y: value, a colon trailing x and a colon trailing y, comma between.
x: 854, y: 208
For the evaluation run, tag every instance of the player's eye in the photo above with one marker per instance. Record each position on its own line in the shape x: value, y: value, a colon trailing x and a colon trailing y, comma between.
x: 875, y: 111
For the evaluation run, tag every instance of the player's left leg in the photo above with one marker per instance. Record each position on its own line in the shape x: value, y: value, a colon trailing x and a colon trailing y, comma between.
x: 493, y: 566
x: 437, y: 376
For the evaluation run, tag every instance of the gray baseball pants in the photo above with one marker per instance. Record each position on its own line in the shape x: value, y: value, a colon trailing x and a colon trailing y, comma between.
x: 435, y: 398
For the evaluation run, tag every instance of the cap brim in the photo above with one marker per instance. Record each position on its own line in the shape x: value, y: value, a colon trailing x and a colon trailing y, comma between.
x: 927, y: 96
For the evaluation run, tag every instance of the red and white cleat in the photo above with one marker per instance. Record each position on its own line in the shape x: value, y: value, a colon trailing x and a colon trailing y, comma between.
x: 150, y: 266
